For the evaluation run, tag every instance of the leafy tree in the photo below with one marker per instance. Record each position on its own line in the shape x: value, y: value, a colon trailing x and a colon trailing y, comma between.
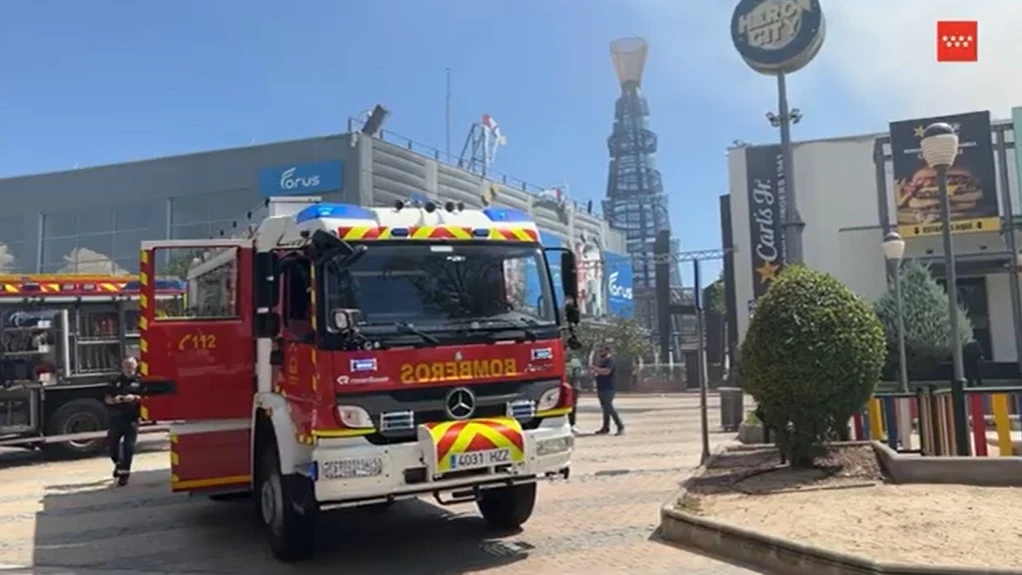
x: 629, y: 340
x: 926, y: 318
x: 811, y: 358
x: 716, y: 300
x: 715, y: 303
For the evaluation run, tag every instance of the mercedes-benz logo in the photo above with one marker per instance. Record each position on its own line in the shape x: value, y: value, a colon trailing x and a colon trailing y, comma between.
x: 460, y: 403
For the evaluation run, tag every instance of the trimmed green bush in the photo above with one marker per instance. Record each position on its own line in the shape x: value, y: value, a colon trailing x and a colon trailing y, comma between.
x: 811, y: 358
x: 924, y: 303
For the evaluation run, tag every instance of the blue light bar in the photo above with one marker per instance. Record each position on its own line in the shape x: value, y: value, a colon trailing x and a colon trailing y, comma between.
x: 339, y: 211
x: 506, y: 215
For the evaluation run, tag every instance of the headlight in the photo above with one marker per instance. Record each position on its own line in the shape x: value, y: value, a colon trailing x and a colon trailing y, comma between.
x: 552, y: 446
x: 354, y: 417
x: 549, y: 399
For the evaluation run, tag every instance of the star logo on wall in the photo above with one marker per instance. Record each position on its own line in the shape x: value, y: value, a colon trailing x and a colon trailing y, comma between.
x: 918, y: 131
x: 767, y: 272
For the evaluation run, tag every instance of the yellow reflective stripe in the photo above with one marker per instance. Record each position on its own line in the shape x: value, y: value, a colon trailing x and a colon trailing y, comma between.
x: 425, y: 232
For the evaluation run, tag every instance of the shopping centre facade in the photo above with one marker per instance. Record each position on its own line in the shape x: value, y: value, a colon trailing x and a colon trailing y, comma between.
x: 853, y: 190
x: 92, y: 220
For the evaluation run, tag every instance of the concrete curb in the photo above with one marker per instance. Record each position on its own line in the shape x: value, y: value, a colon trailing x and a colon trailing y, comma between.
x: 979, y: 471
x: 779, y: 555
x: 783, y: 556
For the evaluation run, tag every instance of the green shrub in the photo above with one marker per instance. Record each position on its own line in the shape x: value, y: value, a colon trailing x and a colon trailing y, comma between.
x: 811, y: 358
x: 925, y: 308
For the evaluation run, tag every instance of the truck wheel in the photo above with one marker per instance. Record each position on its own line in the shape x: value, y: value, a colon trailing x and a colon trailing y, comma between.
x: 78, y: 416
x: 287, y: 508
x: 507, y: 507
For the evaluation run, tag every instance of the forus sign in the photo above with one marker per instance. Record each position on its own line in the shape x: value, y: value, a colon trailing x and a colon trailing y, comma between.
x: 301, y: 179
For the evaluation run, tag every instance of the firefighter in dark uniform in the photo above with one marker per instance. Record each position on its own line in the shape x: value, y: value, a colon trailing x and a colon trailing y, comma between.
x: 122, y: 401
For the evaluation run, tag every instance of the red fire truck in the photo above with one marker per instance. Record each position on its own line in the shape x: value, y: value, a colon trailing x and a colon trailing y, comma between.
x: 62, y: 339
x: 347, y: 356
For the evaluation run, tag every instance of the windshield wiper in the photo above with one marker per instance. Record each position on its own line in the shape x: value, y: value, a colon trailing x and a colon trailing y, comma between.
x: 515, y: 321
x: 405, y: 327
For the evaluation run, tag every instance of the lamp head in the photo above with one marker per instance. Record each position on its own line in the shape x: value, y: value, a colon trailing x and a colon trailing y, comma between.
x: 939, y: 145
x: 894, y: 246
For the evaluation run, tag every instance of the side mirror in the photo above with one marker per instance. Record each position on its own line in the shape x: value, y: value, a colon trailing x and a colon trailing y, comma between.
x: 571, y: 312
x: 267, y: 324
x: 569, y: 277
x: 267, y: 286
x: 342, y: 319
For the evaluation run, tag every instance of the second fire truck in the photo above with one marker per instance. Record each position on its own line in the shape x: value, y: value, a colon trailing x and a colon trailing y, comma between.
x: 347, y: 356
x: 62, y: 339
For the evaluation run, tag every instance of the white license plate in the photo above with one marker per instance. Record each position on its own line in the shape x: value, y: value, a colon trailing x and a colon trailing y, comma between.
x: 477, y: 459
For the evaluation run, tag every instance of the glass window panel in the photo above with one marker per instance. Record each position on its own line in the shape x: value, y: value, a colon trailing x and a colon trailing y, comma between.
x: 126, y: 266
x: 231, y: 205
x: 212, y: 277
x: 59, y: 224
x: 191, y: 232
x: 56, y: 249
x: 12, y: 245
x: 92, y: 255
x: 12, y: 231
x: 190, y: 209
x: 95, y: 221
x: 141, y: 216
x: 128, y: 243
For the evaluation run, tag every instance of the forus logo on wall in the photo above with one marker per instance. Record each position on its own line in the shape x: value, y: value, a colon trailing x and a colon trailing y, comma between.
x: 777, y: 36
x: 290, y: 182
x: 618, y: 291
x: 301, y: 179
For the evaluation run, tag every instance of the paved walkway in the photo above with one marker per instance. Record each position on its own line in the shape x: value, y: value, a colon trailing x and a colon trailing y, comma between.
x: 64, y: 519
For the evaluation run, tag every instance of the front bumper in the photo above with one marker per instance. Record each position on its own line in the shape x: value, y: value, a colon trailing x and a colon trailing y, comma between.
x: 349, y: 472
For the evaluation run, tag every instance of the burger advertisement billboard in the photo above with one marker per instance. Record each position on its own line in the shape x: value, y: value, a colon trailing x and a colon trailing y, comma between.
x: 971, y: 187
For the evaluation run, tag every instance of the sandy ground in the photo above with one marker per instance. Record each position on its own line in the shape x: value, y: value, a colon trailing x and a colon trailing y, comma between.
x: 853, y: 511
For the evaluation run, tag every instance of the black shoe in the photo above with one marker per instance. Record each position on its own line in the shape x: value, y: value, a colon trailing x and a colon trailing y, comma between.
x: 620, y: 431
x: 601, y: 432
x: 122, y: 480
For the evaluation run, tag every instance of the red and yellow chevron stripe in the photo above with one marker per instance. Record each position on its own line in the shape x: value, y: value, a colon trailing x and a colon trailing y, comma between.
x: 457, y: 437
x: 76, y: 287
x: 436, y: 233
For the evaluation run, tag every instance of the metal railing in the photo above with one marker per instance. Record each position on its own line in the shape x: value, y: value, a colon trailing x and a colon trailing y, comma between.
x: 428, y: 151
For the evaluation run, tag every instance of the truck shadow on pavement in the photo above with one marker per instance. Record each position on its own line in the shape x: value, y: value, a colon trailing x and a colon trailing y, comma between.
x: 144, y: 528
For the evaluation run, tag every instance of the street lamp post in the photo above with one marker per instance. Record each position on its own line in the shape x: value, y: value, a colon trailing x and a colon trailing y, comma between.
x: 940, y: 146
x: 894, y: 251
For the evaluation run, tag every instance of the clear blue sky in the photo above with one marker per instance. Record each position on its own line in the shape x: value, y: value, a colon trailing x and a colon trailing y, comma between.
x: 101, y: 81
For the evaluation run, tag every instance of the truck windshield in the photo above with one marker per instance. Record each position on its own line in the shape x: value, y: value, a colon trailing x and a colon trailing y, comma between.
x: 450, y: 286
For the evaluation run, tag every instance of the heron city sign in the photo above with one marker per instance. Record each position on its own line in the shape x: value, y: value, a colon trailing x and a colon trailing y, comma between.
x: 777, y: 36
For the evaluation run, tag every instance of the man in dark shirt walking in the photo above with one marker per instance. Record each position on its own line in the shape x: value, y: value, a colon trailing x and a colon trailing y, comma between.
x: 605, y: 370
x: 122, y: 399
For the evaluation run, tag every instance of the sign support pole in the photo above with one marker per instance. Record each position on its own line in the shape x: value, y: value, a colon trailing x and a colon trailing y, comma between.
x: 793, y: 223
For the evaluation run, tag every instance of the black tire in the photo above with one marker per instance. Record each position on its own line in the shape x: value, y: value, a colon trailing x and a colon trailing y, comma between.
x: 78, y: 416
x: 507, y: 507
x: 287, y: 508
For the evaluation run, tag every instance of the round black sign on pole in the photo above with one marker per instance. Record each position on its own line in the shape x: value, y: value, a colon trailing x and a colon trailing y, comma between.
x: 777, y: 36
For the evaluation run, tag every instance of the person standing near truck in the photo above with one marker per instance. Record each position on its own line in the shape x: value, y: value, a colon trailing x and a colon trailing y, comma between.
x: 122, y: 399
x: 604, y: 371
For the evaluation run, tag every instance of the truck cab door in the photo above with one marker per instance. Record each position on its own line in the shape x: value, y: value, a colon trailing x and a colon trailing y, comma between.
x: 197, y: 350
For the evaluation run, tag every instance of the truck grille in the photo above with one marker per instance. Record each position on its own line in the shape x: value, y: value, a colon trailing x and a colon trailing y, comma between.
x: 398, y: 412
